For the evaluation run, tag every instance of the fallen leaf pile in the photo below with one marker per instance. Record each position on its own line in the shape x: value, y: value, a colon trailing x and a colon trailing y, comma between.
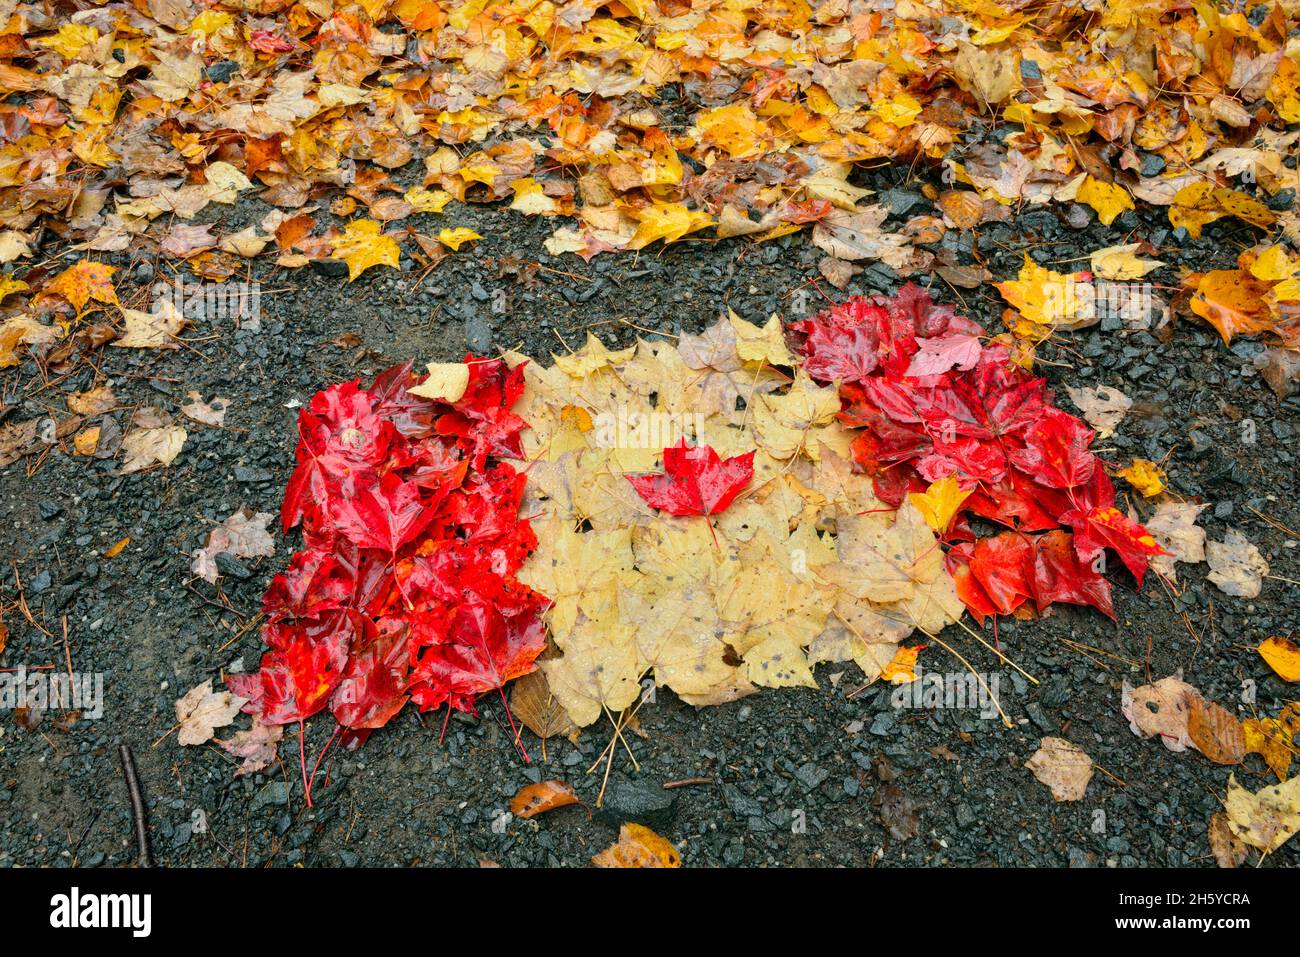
x: 937, y: 404
x: 563, y: 111
x: 694, y: 519
x: 406, y: 587
x: 753, y: 556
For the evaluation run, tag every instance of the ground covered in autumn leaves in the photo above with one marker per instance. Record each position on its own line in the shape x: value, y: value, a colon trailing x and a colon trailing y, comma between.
x: 832, y: 775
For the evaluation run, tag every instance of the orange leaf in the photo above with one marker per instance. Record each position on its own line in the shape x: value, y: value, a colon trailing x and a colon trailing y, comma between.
x: 539, y: 798
x: 1215, y: 732
x: 1233, y: 302
x: 1283, y: 656
x: 80, y: 283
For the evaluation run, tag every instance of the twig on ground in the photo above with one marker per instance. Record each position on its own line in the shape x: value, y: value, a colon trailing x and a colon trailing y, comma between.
x: 137, y: 806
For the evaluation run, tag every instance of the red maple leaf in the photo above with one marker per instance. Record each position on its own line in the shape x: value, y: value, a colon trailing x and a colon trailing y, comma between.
x: 695, y: 481
x: 405, y: 586
x: 1102, y: 528
x: 932, y: 399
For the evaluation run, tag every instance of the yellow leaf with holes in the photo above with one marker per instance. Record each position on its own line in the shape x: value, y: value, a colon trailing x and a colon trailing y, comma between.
x: 363, y: 245
x: 940, y: 502
x: 1266, y: 819
x: 1196, y: 206
x: 453, y: 239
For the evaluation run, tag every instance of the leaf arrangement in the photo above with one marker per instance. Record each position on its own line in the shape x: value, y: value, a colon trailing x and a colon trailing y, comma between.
x: 406, y: 587
x: 935, y: 403
x: 708, y: 517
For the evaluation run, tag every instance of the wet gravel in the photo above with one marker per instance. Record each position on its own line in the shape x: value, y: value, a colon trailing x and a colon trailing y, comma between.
x: 796, y: 777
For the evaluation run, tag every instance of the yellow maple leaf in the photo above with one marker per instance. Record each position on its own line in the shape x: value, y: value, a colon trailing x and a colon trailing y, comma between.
x: 427, y: 200
x: 940, y: 502
x: 71, y: 39
x: 83, y: 282
x: 362, y: 245
x: 1145, y: 476
x: 1044, y: 301
x: 1108, y: 199
x: 453, y: 239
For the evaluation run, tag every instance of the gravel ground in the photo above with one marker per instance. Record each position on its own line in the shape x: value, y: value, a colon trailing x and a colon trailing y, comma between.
x: 801, y: 777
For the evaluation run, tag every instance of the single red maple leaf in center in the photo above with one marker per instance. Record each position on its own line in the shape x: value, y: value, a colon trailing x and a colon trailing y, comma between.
x: 695, y: 481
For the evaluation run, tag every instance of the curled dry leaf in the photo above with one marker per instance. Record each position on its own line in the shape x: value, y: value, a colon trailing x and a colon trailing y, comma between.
x: 1236, y: 565
x: 1063, y: 766
x: 203, y: 710
x: 638, y: 846
x: 535, y: 799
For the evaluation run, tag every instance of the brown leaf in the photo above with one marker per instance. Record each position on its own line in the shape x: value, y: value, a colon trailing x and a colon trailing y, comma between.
x: 898, y: 812
x: 1215, y: 732
x: 534, y: 705
x: 1228, y: 849
x: 1063, y: 766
